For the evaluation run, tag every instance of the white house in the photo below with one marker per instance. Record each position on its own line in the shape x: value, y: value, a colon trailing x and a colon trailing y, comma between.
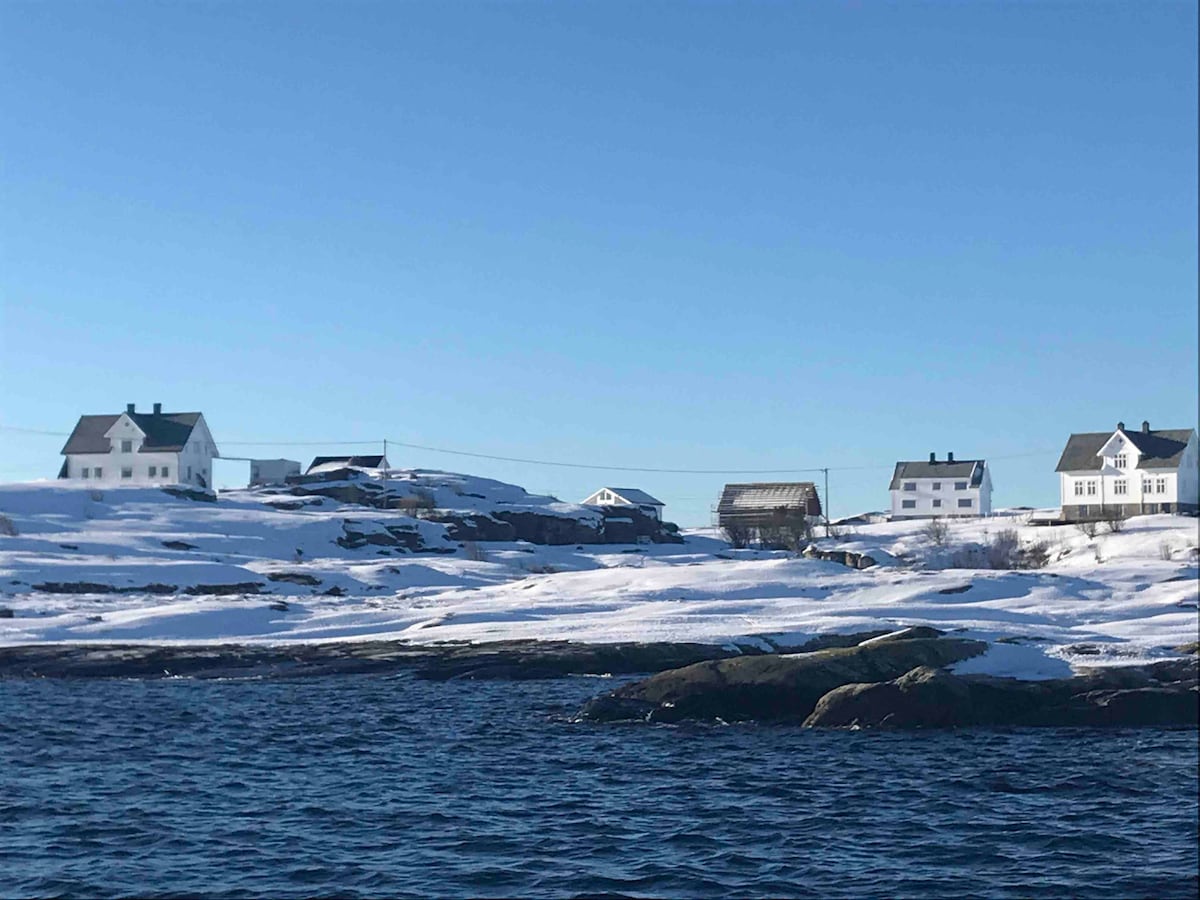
x: 948, y: 487
x: 272, y: 471
x: 1129, y: 472
x: 141, y: 448
x: 611, y: 496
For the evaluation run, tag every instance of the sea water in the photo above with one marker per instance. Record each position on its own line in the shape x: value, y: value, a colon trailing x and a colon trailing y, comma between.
x: 393, y: 786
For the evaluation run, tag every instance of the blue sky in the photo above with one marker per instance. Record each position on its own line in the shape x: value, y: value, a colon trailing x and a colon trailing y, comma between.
x: 668, y: 235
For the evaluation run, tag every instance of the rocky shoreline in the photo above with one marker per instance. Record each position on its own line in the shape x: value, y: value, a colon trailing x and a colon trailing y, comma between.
x: 865, y: 680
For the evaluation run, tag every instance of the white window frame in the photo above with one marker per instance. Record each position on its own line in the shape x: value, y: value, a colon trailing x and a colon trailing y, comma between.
x: 965, y: 503
x: 960, y: 485
x: 937, y: 485
x: 166, y: 472
x: 908, y: 504
x: 1160, y: 485
x: 83, y: 473
x: 1078, y: 488
x: 126, y: 473
x: 909, y: 485
x: 937, y: 503
x: 1091, y: 487
x: 126, y: 446
x: 1120, y: 488
x: 98, y: 472
x: 1121, y: 461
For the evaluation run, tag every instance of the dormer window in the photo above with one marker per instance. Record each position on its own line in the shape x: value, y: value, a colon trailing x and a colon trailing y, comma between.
x: 1121, y: 461
x: 126, y: 446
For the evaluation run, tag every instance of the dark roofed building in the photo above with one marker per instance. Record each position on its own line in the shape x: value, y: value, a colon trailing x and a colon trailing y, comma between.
x: 926, y: 489
x: 1129, y: 473
x: 759, y: 504
x: 140, y: 448
x: 329, y: 463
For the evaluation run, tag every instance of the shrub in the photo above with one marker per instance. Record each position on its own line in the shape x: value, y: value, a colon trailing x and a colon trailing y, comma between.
x: 737, y: 534
x: 1088, y: 527
x: 1002, y: 551
x: 1114, y: 520
x: 1165, y: 551
x: 937, y: 531
x: 7, y: 528
x: 417, y: 504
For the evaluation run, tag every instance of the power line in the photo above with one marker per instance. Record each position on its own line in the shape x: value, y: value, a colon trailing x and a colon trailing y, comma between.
x: 541, y: 462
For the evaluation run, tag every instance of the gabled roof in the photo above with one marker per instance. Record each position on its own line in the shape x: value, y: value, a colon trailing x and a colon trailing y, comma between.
x: 762, y: 498
x: 632, y: 495
x: 165, y: 432
x: 362, y: 462
x: 970, y: 469
x: 1162, y: 449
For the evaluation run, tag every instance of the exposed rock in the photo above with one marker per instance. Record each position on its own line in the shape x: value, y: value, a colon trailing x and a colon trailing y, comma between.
x: 295, y: 578
x: 1159, y: 694
x: 186, y: 493
x: 92, y: 587
x: 537, y: 528
x: 505, y: 659
x: 5, y: 612
x: 845, y: 557
x: 1193, y: 648
x: 278, y: 606
x: 220, y: 590
x: 773, y: 687
x: 178, y: 545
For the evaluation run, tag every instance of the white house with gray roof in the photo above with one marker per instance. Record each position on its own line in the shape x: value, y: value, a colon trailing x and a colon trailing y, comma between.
x: 611, y: 496
x: 1129, y: 472
x: 140, y: 448
x: 941, y: 487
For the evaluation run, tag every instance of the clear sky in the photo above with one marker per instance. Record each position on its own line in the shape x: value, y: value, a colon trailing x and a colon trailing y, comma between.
x: 665, y: 235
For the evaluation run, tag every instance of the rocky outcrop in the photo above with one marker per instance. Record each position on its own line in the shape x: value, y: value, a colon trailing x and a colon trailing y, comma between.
x: 517, y: 660
x: 1160, y: 694
x: 773, y: 688
x: 845, y: 557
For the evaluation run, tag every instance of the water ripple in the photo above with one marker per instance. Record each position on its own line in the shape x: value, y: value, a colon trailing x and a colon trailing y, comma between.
x: 368, y: 787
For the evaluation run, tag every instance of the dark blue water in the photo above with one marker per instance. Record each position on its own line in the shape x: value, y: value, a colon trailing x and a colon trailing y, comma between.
x: 369, y: 786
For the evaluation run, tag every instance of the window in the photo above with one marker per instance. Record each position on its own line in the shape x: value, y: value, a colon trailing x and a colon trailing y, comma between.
x: 964, y: 503
x: 99, y: 473
x: 960, y: 485
x: 189, y: 475
x: 1079, y: 489
x: 1160, y: 485
x: 937, y: 504
x: 937, y: 485
x: 908, y: 504
x: 126, y: 446
x: 126, y: 472
x: 1147, y: 485
x: 1091, y: 489
x: 153, y: 471
x: 910, y: 485
x: 1120, y: 460
x: 165, y: 472
x: 1121, y: 487
x: 84, y: 472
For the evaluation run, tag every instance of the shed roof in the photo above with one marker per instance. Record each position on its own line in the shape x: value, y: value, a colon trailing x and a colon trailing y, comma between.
x: 970, y: 469
x: 1161, y: 449
x: 633, y: 495
x: 362, y: 462
x: 165, y: 432
x: 762, y: 498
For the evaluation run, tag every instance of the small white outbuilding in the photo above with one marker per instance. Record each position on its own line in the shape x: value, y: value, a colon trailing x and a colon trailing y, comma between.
x: 611, y: 496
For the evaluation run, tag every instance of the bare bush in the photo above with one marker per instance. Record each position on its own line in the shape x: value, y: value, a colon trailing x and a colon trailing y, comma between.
x: 1165, y: 551
x: 937, y: 530
x: 543, y: 569
x: 1004, y: 551
x: 1001, y: 552
x: 738, y: 534
x: 474, y: 552
x: 1114, y: 520
x: 1088, y: 527
x: 7, y: 528
x: 417, y: 504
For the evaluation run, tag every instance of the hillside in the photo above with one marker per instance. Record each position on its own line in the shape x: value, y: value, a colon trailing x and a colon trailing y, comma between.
x: 139, y: 564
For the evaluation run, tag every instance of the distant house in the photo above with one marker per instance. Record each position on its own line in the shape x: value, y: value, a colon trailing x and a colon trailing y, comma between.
x: 141, y: 448
x: 272, y: 471
x: 941, y: 487
x: 329, y: 463
x: 1129, y: 472
x: 761, y: 504
x: 611, y: 496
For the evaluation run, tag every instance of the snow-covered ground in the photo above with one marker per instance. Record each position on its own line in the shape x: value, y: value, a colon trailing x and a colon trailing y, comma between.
x: 1109, y: 599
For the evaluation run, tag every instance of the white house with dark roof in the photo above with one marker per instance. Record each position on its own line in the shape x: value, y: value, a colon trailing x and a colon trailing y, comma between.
x: 941, y: 487
x: 140, y: 448
x: 333, y: 463
x: 1129, y: 472
x: 611, y: 496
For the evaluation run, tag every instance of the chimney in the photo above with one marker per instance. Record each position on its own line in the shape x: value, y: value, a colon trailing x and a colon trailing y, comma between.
x: 1120, y: 426
x: 129, y: 407
x: 933, y: 457
x: 158, y: 409
x: 1145, y: 427
x: 950, y: 457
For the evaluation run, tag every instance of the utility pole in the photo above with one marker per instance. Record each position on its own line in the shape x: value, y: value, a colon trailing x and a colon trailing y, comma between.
x: 385, y: 468
x: 826, y: 510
